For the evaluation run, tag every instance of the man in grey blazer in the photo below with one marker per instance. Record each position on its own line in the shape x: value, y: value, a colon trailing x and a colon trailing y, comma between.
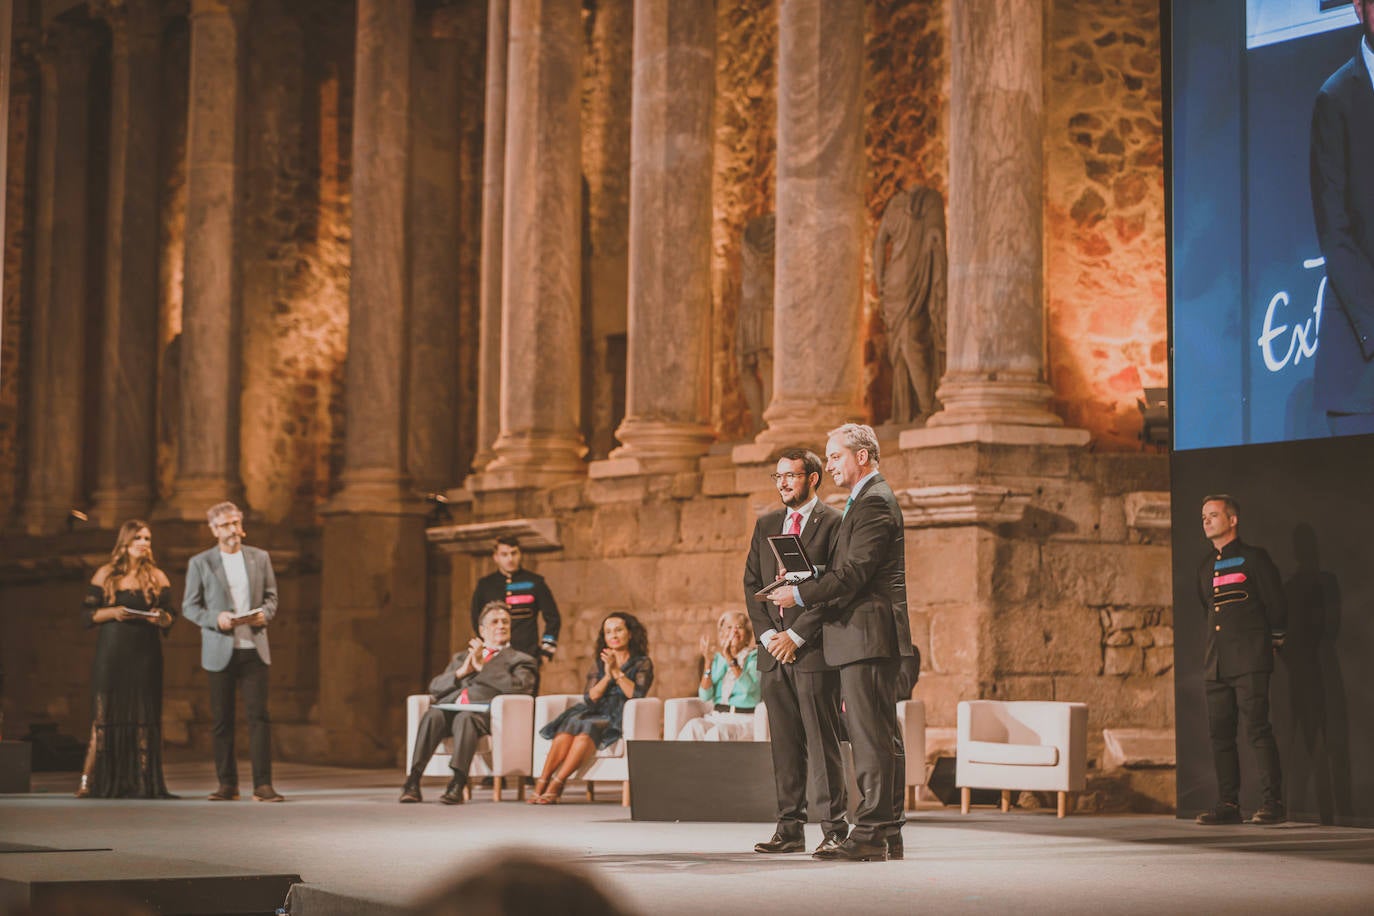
x: 859, y: 604
x: 231, y: 594
x: 489, y: 668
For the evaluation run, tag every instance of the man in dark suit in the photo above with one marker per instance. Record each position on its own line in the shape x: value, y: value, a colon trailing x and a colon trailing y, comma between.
x: 1343, y: 203
x: 802, y: 695
x: 860, y: 606
x: 1246, y: 619
x: 489, y: 668
x: 231, y: 594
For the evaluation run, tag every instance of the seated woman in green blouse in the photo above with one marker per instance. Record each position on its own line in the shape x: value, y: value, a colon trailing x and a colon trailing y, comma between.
x: 729, y: 682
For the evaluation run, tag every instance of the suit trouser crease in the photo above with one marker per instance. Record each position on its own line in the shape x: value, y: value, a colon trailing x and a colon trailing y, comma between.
x: 803, y: 721
x: 1229, y: 701
x: 465, y: 728
x: 246, y: 673
x: 870, y: 713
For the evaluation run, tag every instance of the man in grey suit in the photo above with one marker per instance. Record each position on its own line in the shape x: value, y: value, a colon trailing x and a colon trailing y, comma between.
x: 231, y: 594
x: 801, y: 691
x: 489, y: 668
x: 859, y: 604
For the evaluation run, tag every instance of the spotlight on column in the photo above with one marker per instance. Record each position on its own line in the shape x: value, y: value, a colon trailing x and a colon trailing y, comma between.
x: 439, y: 513
x: 74, y: 516
x: 1154, y: 412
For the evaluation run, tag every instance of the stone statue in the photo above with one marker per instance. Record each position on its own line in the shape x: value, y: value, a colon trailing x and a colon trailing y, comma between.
x: 909, y: 266
x: 754, y: 342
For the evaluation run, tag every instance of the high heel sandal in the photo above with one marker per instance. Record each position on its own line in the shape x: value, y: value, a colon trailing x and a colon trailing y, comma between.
x: 84, y: 790
x: 552, y: 796
x: 541, y: 785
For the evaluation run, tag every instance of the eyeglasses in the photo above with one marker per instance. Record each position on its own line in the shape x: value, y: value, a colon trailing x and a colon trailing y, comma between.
x: 788, y: 476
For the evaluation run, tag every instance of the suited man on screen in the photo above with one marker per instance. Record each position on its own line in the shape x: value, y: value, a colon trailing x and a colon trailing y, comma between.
x: 800, y: 689
x: 1342, y: 174
x: 859, y: 604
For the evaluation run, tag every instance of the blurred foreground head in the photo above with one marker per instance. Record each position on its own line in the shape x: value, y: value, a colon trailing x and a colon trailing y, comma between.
x: 521, y: 881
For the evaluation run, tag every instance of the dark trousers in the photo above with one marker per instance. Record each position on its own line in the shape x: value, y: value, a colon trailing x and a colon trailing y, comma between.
x: 246, y: 674
x: 803, y: 720
x: 466, y: 729
x: 1246, y: 697
x: 870, y: 715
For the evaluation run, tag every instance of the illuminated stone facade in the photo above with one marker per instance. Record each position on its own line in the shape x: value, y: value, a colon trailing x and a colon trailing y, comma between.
x: 352, y: 373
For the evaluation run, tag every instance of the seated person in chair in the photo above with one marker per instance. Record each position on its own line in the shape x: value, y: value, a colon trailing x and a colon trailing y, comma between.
x: 729, y: 682
x: 489, y: 668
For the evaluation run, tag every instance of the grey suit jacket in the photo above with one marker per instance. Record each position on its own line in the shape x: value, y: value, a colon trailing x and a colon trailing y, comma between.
x: 860, y: 600
x: 207, y: 594
x: 508, y: 671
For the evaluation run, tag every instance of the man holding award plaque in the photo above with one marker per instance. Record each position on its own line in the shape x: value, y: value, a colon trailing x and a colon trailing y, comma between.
x: 231, y: 594
x: 801, y: 691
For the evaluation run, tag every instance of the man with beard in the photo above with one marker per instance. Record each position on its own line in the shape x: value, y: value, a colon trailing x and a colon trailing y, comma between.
x: 860, y: 605
x: 1343, y: 204
x: 801, y: 691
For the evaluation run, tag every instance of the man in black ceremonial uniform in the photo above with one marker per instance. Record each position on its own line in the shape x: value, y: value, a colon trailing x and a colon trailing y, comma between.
x: 527, y: 598
x: 1243, y: 600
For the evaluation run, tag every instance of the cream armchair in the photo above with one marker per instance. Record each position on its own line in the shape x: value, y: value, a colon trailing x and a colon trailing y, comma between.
x: 506, y: 752
x: 1032, y: 745
x: 911, y: 721
x: 679, y: 711
x: 643, y: 721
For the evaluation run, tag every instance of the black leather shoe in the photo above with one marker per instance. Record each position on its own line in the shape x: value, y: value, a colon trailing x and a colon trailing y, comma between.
x: 895, y: 848
x: 852, y: 850
x: 1221, y: 813
x: 780, y: 843
x: 410, y: 792
x: 831, y: 843
x: 453, y: 795
x: 1271, y: 812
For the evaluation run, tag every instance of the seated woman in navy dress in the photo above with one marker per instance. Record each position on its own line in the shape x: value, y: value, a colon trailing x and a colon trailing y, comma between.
x: 622, y: 672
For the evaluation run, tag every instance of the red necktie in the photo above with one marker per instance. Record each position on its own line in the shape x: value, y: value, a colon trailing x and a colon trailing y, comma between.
x: 794, y: 523
x: 486, y: 657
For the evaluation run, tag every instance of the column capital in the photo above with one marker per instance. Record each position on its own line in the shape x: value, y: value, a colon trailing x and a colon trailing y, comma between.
x: 236, y: 9
x: 129, y: 21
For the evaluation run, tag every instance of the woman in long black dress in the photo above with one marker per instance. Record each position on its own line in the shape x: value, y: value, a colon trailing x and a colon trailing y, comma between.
x: 129, y: 601
x: 622, y: 672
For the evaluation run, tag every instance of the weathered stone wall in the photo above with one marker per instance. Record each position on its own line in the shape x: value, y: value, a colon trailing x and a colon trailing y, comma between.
x: 1104, y: 214
x: 171, y: 265
x: 18, y: 296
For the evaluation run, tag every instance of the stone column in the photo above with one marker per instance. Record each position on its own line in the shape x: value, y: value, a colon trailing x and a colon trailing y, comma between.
x: 996, y: 365
x: 208, y: 437
x: 57, y: 382
x: 818, y: 289
x: 493, y: 213
x: 668, y: 392
x: 541, y: 325
x: 129, y: 341
x: 372, y: 614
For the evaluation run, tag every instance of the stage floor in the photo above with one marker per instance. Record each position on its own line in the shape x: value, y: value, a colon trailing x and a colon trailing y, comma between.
x: 344, y: 833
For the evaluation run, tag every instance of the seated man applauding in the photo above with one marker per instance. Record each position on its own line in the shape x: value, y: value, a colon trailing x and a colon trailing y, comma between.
x: 489, y: 668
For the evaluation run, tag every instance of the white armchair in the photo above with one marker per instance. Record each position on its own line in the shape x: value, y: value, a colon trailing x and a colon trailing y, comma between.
x: 643, y: 721
x: 507, y: 752
x: 679, y: 711
x: 1031, y: 745
x: 911, y: 721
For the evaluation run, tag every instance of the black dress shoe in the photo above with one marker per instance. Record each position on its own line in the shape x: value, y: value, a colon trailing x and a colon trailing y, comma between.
x: 410, y: 792
x: 895, y: 848
x: 780, y: 843
x: 852, y: 850
x: 1221, y: 813
x: 453, y: 795
x: 831, y: 843
x: 1271, y: 812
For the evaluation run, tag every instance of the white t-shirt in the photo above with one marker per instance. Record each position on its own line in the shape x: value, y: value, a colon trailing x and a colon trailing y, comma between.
x: 236, y: 571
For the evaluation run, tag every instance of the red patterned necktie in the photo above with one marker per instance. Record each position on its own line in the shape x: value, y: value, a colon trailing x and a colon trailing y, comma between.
x: 794, y: 523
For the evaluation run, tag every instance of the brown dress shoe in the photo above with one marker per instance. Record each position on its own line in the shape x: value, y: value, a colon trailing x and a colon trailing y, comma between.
x: 225, y: 793
x: 410, y: 792
x: 267, y: 794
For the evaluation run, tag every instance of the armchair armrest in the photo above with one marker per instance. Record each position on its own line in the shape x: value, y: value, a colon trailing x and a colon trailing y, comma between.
x: 761, y: 730
x: 512, y: 733
x: 643, y: 719
x: 911, y: 720
x: 678, y: 711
